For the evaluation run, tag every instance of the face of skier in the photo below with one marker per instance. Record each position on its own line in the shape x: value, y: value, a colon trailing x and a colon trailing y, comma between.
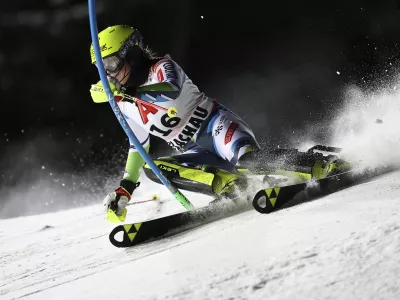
x: 122, y: 74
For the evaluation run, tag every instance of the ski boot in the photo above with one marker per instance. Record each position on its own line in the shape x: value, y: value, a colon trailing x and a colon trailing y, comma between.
x: 294, y: 165
x: 327, y: 165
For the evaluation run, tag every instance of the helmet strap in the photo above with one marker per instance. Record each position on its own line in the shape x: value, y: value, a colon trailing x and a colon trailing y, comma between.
x: 126, y: 74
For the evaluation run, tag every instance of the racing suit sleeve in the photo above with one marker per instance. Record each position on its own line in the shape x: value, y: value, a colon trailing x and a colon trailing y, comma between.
x: 169, y: 82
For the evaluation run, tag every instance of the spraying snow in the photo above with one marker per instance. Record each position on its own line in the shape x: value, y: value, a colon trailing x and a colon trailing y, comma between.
x: 368, y: 127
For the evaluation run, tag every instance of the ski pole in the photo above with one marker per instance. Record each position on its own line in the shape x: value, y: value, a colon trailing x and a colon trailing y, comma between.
x: 132, y: 138
x: 153, y: 198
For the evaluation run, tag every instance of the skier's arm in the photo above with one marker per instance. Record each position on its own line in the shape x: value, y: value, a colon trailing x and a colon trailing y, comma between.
x: 117, y: 200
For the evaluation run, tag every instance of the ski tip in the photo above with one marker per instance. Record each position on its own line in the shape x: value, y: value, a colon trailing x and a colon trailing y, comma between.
x: 265, y: 200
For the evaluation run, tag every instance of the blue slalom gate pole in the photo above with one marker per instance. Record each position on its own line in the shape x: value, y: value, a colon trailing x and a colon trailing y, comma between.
x: 132, y: 138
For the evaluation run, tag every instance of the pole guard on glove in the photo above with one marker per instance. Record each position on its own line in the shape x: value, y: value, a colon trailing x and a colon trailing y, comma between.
x: 116, y: 201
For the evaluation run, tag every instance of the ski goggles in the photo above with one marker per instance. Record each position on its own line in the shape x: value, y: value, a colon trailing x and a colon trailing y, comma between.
x: 114, y: 63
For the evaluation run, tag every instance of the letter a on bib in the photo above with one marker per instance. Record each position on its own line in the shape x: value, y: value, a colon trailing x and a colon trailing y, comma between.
x: 146, y: 108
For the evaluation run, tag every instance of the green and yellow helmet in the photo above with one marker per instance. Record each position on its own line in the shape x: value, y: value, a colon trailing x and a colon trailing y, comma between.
x: 117, y: 39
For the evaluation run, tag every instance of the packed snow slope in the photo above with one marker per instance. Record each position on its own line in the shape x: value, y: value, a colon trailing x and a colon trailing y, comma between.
x: 343, y: 246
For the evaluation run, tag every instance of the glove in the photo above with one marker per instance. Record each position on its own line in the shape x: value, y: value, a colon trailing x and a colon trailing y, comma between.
x: 117, y: 201
x: 99, y: 95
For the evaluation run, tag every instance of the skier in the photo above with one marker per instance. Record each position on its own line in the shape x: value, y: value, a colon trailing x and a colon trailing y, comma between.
x: 157, y: 97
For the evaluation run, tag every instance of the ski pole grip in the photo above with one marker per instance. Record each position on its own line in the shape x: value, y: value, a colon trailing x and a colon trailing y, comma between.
x: 114, y: 204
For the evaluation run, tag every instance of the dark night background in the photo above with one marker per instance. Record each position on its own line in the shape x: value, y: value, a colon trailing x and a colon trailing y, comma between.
x: 281, y: 65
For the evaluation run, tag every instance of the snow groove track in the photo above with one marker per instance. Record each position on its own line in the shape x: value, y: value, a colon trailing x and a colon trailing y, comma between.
x: 343, y: 246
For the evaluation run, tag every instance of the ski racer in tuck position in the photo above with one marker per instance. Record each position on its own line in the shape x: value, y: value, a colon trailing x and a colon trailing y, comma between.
x: 157, y: 97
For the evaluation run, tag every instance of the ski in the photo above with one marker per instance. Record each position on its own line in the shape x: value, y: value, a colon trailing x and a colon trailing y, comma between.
x: 135, y: 233
x: 273, y: 198
x: 270, y: 199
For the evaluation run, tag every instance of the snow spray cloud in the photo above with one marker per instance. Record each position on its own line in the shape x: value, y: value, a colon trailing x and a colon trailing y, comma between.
x: 368, y: 126
x: 37, y: 177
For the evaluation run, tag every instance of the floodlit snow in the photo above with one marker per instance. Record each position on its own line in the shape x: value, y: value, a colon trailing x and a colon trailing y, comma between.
x: 343, y: 246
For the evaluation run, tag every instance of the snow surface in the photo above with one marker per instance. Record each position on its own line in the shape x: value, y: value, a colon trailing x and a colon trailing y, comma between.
x: 343, y: 246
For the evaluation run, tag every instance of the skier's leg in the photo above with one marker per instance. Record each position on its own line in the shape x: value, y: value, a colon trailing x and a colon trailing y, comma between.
x: 220, y: 143
x: 303, y: 165
x: 227, y: 136
x: 230, y: 138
